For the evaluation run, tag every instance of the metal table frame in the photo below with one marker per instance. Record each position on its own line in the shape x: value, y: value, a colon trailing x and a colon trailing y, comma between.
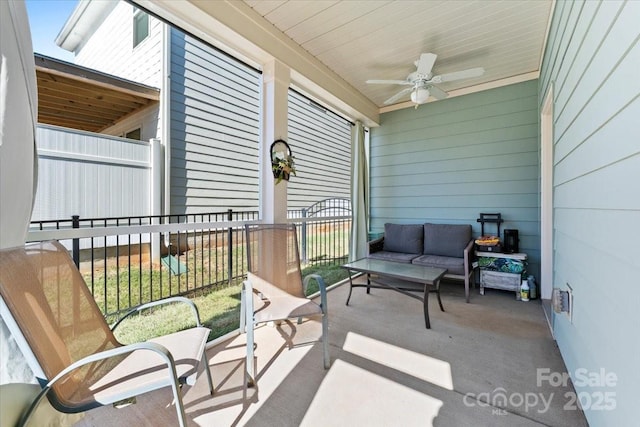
x: 408, y: 279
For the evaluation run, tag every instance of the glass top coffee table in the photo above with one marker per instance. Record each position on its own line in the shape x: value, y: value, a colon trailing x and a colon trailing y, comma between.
x: 409, y: 279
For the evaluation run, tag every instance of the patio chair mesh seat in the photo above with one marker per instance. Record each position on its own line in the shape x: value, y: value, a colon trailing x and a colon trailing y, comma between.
x: 62, y: 325
x: 274, y: 289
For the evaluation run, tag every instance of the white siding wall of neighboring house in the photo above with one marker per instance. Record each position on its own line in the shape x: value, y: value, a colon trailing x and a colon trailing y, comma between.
x: 215, y: 117
x: 110, y: 48
x: 592, y: 61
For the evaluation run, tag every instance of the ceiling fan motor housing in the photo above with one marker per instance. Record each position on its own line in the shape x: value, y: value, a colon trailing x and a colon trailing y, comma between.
x: 423, y: 80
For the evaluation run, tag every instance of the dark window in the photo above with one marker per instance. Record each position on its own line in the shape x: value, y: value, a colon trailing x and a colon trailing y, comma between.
x: 134, y: 134
x: 140, y: 27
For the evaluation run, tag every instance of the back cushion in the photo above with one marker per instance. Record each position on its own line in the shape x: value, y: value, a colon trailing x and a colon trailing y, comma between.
x: 446, y: 239
x: 405, y: 238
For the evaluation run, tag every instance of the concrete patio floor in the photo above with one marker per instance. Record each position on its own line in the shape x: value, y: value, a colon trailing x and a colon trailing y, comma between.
x: 481, y: 364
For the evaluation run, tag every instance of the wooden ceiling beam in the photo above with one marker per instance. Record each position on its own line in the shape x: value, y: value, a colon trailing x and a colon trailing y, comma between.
x: 80, y: 118
x: 131, y: 113
x: 95, y: 78
x: 89, y: 127
x: 55, y: 96
x: 82, y: 98
x: 68, y: 86
x: 71, y: 109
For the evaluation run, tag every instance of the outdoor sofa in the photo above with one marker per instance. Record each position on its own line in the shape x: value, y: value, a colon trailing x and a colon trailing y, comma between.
x: 447, y: 246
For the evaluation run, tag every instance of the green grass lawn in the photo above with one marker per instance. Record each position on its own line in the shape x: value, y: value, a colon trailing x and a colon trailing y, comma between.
x: 131, y: 285
x: 219, y: 310
x: 330, y: 273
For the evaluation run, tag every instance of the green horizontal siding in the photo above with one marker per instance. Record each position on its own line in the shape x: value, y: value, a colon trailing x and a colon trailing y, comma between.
x: 591, y: 63
x: 448, y: 161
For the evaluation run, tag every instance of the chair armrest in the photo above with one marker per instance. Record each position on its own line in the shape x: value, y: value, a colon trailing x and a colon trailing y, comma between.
x: 171, y: 300
x: 468, y: 255
x: 107, y: 354
x: 321, y: 286
x: 376, y: 245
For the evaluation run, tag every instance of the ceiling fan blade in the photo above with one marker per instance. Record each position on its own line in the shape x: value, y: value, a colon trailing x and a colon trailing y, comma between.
x: 425, y: 63
x: 389, y: 82
x: 398, y: 95
x: 437, y: 93
x: 459, y: 75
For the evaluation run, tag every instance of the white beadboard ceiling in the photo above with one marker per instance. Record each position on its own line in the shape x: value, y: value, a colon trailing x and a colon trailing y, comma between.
x: 371, y: 39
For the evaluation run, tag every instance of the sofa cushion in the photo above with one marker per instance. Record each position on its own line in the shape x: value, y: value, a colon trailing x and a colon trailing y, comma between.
x: 454, y: 265
x: 446, y: 239
x: 393, y: 256
x: 405, y: 238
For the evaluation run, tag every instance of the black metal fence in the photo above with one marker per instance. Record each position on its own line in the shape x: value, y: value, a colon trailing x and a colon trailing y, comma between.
x: 194, y: 255
x: 147, y: 258
x: 323, y: 230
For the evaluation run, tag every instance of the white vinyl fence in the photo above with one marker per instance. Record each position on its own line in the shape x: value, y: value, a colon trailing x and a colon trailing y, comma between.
x: 95, y: 176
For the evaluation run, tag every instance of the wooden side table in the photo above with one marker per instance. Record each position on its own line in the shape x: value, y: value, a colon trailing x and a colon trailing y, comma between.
x: 496, y: 279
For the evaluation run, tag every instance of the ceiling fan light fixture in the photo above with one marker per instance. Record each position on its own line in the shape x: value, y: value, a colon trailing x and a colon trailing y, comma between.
x: 420, y: 95
x: 421, y: 84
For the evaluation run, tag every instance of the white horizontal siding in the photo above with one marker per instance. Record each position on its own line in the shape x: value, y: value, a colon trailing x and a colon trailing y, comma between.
x: 110, y: 48
x: 592, y: 60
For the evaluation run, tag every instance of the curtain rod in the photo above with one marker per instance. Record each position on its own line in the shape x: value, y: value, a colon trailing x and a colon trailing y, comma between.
x: 320, y: 106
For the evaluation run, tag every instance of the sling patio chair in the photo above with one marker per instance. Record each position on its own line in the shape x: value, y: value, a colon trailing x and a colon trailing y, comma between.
x: 274, y: 289
x: 71, y: 349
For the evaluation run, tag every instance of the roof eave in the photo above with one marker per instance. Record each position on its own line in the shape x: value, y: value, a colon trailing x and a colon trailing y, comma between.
x: 82, y: 22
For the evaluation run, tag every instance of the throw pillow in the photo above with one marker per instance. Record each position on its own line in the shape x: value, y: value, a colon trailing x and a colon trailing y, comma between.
x: 446, y: 239
x: 405, y: 238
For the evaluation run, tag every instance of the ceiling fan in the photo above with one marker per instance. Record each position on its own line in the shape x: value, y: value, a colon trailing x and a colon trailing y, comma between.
x: 422, y: 81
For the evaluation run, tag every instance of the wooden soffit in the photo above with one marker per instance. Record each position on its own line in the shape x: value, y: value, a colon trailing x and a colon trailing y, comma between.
x: 80, y: 98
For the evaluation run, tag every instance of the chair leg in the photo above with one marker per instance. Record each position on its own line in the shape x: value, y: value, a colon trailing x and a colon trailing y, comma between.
x: 325, y: 341
x: 205, y: 363
x: 466, y: 287
x: 182, y: 418
x: 250, y: 368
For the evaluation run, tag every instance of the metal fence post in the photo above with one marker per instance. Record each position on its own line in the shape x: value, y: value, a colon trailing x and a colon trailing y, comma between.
x: 230, y: 247
x: 155, y: 174
x: 75, y: 223
x: 303, y: 238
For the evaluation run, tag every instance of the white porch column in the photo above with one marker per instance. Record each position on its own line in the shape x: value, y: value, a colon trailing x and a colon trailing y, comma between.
x: 275, y: 91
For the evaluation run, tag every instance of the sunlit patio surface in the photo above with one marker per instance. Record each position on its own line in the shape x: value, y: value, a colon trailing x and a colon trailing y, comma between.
x: 488, y: 363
